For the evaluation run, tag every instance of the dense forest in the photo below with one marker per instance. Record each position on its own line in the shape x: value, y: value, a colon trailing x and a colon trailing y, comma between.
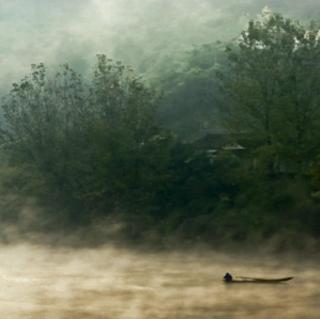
x: 222, y: 147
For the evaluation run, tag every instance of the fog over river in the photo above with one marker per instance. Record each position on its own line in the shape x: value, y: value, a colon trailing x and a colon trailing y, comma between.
x: 117, y: 283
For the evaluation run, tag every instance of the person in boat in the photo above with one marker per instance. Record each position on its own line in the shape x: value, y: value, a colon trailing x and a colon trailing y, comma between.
x: 227, y: 277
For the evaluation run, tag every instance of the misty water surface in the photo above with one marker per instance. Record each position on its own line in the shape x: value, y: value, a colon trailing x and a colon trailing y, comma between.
x: 115, y: 283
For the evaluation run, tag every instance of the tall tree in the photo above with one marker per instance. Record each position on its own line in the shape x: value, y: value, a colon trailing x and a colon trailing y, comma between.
x: 92, y: 141
x: 272, y: 81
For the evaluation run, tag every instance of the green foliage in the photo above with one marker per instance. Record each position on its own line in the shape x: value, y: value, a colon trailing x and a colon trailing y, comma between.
x: 92, y: 141
x: 96, y: 146
x: 191, y: 94
x: 272, y: 79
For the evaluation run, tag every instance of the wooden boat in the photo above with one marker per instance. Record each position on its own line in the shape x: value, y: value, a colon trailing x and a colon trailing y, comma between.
x: 242, y: 280
x: 229, y: 279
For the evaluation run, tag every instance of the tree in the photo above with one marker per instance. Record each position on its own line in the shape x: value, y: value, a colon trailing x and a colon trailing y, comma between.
x: 191, y: 92
x: 272, y: 83
x: 40, y: 112
x: 94, y: 142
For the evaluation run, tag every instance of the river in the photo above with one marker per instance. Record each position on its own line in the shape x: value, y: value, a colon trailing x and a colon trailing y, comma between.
x: 112, y: 283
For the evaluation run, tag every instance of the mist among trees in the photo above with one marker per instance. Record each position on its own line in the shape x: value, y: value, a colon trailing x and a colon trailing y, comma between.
x: 218, y: 145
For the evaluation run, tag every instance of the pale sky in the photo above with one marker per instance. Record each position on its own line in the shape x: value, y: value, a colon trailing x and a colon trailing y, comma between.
x: 138, y: 32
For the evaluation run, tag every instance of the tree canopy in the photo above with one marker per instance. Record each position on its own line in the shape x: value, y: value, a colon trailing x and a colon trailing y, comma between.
x: 272, y: 82
x: 229, y: 151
